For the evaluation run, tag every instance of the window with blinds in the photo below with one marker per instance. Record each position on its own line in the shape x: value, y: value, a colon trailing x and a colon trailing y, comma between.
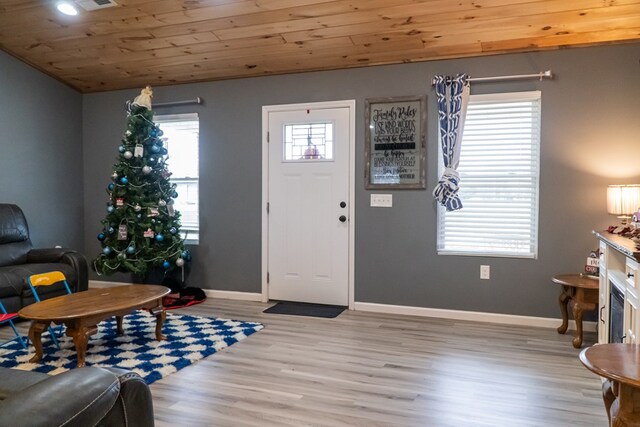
x: 182, y: 142
x: 499, y: 174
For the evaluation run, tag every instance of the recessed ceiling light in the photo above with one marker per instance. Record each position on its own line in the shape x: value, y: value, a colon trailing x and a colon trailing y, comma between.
x: 67, y: 8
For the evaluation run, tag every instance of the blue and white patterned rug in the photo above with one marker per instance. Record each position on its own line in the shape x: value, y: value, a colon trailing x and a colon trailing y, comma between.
x: 189, y: 338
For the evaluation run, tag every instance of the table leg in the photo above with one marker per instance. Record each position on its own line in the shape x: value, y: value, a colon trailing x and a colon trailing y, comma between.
x: 563, y: 300
x: 576, y: 308
x: 35, y: 335
x: 120, y: 329
x: 623, y: 411
x: 160, y: 317
x: 80, y: 337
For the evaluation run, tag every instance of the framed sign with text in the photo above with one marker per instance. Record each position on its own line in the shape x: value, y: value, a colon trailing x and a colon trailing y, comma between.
x: 395, y: 143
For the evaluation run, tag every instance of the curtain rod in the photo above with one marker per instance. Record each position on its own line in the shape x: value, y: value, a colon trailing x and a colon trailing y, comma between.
x: 198, y: 100
x: 541, y: 75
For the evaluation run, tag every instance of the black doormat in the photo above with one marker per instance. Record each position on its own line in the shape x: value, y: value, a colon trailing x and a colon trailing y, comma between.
x: 305, y: 309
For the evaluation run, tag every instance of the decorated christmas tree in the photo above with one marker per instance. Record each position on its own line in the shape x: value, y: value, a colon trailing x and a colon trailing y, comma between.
x: 141, y: 231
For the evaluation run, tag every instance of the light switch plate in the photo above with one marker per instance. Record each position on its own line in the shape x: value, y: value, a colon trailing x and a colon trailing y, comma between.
x: 382, y: 200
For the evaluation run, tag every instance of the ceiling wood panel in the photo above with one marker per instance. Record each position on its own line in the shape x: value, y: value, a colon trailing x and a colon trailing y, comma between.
x: 160, y: 42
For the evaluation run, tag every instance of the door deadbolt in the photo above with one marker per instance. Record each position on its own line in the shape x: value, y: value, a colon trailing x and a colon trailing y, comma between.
x: 342, y: 218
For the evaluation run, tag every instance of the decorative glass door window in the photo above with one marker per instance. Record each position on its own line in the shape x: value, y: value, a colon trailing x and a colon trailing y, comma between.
x: 308, y: 141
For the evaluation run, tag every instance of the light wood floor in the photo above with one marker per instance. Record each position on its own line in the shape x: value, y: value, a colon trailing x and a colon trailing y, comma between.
x: 364, y: 369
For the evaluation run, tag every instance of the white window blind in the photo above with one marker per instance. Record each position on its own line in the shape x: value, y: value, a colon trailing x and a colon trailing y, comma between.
x: 182, y: 133
x: 499, y: 174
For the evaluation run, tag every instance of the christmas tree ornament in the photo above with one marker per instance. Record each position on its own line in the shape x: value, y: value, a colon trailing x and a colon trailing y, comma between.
x: 111, y: 186
x: 160, y: 133
x: 122, y: 256
x: 111, y: 230
x: 122, y: 149
x: 152, y: 160
x: 122, y: 232
x: 106, y: 250
x: 146, y: 170
x: 166, y: 264
x: 149, y: 233
x: 173, y: 230
x: 171, y: 211
x: 110, y: 209
x: 139, y: 216
x: 175, y: 195
x: 137, y: 208
x: 155, y: 148
x: 179, y: 262
x: 184, y: 254
x: 124, y: 180
x: 101, y: 237
x: 127, y: 132
x: 144, y: 99
x: 138, y: 151
x: 131, y: 249
x: 162, y: 203
x: 159, y: 237
x: 154, y: 132
x: 164, y: 151
x: 127, y: 155
x: 114, y: 176
x: 119, y: 202
x: 153, y: 212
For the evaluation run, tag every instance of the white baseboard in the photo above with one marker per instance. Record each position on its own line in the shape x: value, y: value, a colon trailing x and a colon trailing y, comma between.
x: 213, y: 293
x: 506, y: 319
x: 242, y: 296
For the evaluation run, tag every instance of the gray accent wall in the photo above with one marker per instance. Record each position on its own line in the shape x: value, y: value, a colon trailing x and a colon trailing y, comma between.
x: 41, y: 153
x: 590, y: 132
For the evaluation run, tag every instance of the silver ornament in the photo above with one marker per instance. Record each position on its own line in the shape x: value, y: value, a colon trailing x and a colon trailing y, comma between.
x: 128, y: 154
x: 137, y: 208
x: 162, y: 203
x: 127, y: 133
x: 146, y: 170
x: 114, y: 175
x: 179, y: 262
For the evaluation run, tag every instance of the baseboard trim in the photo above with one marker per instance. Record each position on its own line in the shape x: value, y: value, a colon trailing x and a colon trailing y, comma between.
x: 212, y: 293
x: 475, y: 316
x: 235, y: 295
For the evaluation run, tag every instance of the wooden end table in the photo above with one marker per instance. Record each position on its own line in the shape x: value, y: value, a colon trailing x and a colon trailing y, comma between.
x: 580, y: 292
x: 81, y: 312
x: 620, y: 365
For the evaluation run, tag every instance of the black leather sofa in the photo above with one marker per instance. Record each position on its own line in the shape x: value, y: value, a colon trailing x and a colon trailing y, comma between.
x: 77, y: 398
x: 18, y: 261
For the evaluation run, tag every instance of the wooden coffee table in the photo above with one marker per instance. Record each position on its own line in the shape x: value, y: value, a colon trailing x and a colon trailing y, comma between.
x: 81, y: 312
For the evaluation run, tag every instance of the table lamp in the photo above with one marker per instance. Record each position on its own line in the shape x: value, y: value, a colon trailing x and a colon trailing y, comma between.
x: 623, y: 201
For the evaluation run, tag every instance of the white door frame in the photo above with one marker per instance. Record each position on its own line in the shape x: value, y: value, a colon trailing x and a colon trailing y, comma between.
x: 351, y: 105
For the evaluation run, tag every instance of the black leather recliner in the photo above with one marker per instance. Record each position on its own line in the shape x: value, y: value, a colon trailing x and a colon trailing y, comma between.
x: 18, y: 261
x: 77, y: 398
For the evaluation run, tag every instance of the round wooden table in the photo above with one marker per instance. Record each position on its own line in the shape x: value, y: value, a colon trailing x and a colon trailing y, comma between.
x: 620, y: 365
x: 580, y: 292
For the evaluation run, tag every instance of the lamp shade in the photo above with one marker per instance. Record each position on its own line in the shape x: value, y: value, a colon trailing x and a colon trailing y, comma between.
x: 623, y: 199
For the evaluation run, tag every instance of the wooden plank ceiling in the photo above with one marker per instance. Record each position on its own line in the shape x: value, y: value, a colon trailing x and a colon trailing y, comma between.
x: 161, y: 42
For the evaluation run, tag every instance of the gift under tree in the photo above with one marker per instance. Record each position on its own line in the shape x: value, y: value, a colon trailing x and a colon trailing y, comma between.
x: 141, y: 231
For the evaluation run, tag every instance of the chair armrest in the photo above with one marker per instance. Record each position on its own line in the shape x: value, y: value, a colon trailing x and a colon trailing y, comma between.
x: 47, y: 255
x: 66, y: 256
x: 80, y: 397
x: 135, y: 405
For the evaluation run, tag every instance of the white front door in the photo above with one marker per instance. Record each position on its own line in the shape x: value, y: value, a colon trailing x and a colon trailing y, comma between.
x: 309, y: 205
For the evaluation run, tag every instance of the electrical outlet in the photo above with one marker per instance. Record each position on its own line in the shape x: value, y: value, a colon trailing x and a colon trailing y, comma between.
x: 485, y: 272
x: 382, y: 200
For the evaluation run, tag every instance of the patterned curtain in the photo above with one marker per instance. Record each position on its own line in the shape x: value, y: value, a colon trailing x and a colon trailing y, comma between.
x: 453, y: 96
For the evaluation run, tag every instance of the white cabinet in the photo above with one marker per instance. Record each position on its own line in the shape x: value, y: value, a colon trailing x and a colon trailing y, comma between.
x: 619, y: 268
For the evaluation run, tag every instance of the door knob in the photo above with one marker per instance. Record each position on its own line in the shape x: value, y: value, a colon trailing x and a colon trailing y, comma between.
x: 343, y: 205
x: 342, y: 218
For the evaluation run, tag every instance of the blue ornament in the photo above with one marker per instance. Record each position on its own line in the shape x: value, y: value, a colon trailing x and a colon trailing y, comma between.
x: 155, y: 148
x: 131, y: 249
x: 122, y: 149
x: 163, y: 151
x: 184, y: 254
x: 106, y: 250
x: 188, y: 259
x: 154, y: 132
x: 111, y: 186
x: 173, y: 230
x: 159, y: 237
x: 101, y: 237
x: 175, y: 195
x: 124, y: 180
x: 110, y: 209
x: 111, y: 230
x: 166, y: 264
x: 160, y: 133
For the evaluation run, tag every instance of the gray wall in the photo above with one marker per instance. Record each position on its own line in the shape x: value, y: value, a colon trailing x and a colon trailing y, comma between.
x: 41, y: 153
x: 590, y: 134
